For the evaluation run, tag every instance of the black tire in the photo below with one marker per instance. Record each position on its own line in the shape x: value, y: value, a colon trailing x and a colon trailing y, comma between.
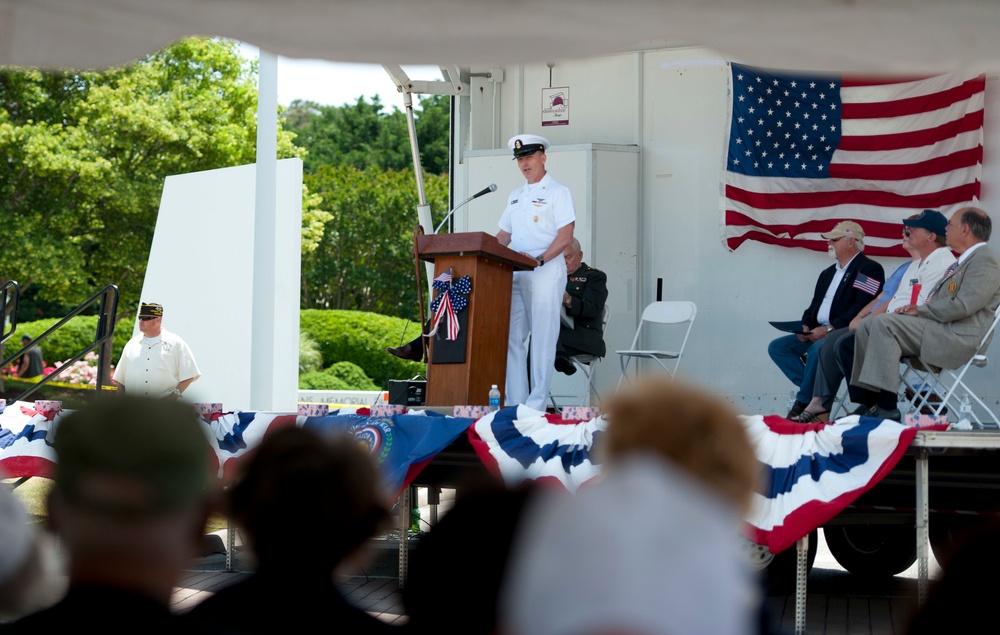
x: 779, y: 574
x: 877, y: 551
x: 948, y: 533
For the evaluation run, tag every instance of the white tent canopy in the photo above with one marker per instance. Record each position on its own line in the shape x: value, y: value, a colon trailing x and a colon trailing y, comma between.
x: 895, y: 36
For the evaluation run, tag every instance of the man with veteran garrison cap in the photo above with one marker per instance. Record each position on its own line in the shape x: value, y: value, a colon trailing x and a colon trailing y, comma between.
x: 132, y: 493
x: 156, y: 363
x: 538, y: 221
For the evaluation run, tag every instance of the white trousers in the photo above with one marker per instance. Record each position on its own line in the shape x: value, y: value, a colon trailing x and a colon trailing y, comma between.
x: 534, y: 310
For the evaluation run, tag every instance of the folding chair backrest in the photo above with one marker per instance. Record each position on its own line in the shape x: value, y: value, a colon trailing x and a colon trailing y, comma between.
x: 989, y: 332
x: 675, y: 312
x: 672, y: 312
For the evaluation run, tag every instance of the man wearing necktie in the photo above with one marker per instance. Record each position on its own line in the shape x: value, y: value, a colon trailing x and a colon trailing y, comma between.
x: 944, y: 332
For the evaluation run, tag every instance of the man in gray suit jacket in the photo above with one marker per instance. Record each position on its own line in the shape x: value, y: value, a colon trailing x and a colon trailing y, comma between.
x: 944, y: 332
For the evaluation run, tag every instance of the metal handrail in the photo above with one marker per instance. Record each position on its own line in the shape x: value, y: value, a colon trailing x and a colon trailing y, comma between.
x: 4, y: 291
x: 103, y: 339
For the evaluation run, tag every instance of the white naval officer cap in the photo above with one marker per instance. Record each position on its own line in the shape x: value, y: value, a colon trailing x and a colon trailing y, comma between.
x: 525, y: 144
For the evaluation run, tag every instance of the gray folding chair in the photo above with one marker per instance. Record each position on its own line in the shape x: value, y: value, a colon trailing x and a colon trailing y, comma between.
x: 586, y: 364
x: 926, y: 381
x: 676, y: 312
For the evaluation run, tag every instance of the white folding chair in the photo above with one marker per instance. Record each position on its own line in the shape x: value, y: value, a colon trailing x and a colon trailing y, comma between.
x: 926, y: 381
x: 677, y: 312
x: 586, y: 364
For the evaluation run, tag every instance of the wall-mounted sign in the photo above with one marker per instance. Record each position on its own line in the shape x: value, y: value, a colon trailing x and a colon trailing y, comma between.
x: 555, y: 106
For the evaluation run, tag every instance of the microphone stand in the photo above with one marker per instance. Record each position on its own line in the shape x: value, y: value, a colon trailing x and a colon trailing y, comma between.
x: 491, y: 188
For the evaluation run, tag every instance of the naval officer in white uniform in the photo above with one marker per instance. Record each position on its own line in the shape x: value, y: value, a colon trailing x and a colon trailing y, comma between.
x: 538, y: 222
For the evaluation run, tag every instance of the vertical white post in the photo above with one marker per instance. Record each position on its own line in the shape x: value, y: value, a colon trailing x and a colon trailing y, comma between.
x: 801, y: 576
x: 262, y: 328
x: 923, y: 526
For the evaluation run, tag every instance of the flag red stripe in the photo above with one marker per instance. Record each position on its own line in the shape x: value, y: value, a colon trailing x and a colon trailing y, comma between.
x: 902, y: 172
x: 915, y: 139
x: 873, y: 229
x: 813, y: 245
x: 860, y: 82
x: 913, y: 105
x: 809, y: 200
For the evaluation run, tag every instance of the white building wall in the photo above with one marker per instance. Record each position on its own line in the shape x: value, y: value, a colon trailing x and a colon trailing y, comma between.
x: 201, y: 270
x: 672, y: 103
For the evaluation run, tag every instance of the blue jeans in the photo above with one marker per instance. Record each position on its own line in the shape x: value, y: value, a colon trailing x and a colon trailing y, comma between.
x: 787, y: 352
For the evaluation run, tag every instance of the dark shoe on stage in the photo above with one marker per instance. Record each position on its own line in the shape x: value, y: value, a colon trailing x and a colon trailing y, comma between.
x: 563, y: 365
x: 885, y: 413
x: 406, y: 351
x: 811, y: 417
x: 863, y: 411
x: 796, y: 410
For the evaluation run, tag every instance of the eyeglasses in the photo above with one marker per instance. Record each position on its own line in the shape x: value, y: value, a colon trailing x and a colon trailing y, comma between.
x: 833, y: 240
x: 146, y: 318
x: 906, y: 231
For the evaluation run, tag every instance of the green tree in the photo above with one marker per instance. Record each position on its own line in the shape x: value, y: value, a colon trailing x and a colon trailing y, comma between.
x: 433, y: 123
x: 364, y: 135
x: 364, y: 260
x: 83, y: 157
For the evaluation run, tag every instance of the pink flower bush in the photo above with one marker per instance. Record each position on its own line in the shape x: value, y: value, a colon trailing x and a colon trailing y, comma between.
x: 82, y: 372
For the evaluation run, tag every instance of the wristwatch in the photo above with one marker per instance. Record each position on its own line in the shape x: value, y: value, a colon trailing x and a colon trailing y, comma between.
x: 541, y: 260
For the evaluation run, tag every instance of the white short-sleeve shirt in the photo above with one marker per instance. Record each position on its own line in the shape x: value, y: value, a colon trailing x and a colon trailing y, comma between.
x: 535, y: 213
x: 153, y: 367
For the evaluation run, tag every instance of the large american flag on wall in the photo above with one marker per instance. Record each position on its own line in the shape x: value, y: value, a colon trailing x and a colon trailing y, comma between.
x: 803, y: 153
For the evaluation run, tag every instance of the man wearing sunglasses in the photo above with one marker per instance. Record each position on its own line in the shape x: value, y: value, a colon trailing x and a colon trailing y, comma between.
x: 946, y: 330
x: 924, y: 238
x: 156, y: 363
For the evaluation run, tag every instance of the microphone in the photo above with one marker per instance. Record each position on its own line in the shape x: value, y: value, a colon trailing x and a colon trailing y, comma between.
x: 492, y: 187
x: 486, y: 190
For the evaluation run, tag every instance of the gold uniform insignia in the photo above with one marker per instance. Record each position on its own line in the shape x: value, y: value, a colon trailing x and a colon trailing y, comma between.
x: 952, y: 286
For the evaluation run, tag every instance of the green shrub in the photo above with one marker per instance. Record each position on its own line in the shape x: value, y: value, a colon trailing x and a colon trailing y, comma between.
x: 320, y: 380
x: 362, y: 338
x: 310, y: 357
x: 340, y: 376
x: 342, y: 336
x: 69, y: 340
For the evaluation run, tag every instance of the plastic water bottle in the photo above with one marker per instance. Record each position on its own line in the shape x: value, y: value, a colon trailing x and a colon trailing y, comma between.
x: 494, y: 398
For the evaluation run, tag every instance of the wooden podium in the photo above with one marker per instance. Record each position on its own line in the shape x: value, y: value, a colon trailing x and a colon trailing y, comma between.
x: 491, y: 267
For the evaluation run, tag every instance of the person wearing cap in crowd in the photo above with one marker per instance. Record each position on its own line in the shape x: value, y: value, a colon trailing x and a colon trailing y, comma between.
x: 131, y: 495
x: 31, y: 361
x: 156, y: 363
x: 538, y: 221
x: 924, y: 238
x: 842, y: 290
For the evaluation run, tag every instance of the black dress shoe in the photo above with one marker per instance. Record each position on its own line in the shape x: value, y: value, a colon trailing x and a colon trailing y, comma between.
x: 406, y: 351
x: 796, y: 410
x: 887, y: 413
x: 563, y: 365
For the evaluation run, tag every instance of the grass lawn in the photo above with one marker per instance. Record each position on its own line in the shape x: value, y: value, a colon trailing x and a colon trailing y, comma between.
x: 34, y: 491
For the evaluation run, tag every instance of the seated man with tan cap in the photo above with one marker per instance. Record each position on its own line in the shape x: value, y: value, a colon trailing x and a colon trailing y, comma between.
x: 842, y: 290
